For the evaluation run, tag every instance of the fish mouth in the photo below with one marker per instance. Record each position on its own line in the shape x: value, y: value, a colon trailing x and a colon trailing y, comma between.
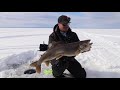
x: 86, y: 51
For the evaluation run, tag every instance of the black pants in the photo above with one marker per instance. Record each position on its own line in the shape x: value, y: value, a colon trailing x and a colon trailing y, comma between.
x: 69, y: 63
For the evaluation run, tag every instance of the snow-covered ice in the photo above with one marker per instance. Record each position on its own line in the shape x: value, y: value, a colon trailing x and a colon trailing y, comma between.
x: 18, y: 48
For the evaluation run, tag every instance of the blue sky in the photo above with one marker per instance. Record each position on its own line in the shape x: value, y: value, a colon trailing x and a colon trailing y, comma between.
x: 87, y: 20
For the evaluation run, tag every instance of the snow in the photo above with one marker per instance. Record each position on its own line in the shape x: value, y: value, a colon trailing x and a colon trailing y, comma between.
x: 18, y: 48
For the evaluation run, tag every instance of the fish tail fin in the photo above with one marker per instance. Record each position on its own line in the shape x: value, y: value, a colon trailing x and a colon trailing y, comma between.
x: 34, y: 64
x: 38, y: 67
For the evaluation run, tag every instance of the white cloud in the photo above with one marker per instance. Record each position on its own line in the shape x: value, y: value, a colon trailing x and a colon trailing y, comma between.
x: 102, y: 19
x: 47, y: 19
x: 20, y: 18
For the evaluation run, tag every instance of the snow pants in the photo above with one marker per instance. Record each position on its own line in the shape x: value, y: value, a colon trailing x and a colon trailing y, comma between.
x: 69, y: 63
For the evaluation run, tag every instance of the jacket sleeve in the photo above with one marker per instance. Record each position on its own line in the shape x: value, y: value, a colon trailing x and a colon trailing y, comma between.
x: 51, y: 39
x: 75, y: 37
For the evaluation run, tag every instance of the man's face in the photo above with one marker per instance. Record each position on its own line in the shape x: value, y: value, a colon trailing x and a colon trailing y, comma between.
x: 63, y: 27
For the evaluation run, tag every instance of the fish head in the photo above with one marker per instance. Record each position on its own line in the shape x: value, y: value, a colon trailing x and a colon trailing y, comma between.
x: 85, y: 46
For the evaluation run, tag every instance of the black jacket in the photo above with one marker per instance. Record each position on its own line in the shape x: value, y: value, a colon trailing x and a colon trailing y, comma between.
x: 57, y: 36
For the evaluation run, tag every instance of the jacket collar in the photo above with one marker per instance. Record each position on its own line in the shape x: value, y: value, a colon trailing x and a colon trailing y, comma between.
x: 56, y: 29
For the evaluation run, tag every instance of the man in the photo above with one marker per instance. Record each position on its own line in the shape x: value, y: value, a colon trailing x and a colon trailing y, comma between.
x: 62, y: 32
